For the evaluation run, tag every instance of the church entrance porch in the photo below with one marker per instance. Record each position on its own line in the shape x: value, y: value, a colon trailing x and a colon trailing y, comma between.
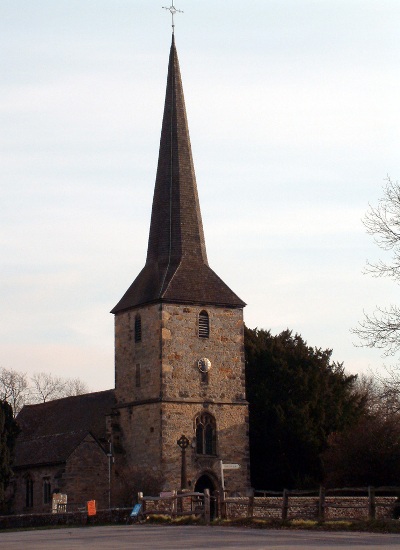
x: 205, y: 481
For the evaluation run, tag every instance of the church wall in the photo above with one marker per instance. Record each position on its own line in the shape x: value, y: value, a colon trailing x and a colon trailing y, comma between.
x: 140, y: 434
x: 86, y: 475
x: 182, y: 348
x: 138, y: 448
x: 38, y: 475
x: 146, y: 442
x: 231, y: 443
x: 130, y: 355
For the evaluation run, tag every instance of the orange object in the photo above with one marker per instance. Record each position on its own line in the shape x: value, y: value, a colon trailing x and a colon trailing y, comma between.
x: 91, y: 507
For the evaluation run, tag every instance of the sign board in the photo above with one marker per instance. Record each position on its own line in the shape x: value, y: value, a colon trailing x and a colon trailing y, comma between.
x: 231, y: 466
x: 136, y: 511
x: 91, y: 507
x: 59, y: 503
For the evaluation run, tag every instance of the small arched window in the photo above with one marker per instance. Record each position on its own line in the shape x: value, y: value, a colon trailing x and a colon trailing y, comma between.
x: 206, y: 434
x: 204, y: 324
x: 138, y: 328
x: 46, y: 490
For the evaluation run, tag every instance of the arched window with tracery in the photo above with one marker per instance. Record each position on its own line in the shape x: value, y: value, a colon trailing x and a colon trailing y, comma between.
x: 206, y: 434
x: 204, y: 324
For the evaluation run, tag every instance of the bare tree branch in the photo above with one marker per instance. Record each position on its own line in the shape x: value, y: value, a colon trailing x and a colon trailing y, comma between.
x: 14, y: 388
x: 46, y: 387
x: 381, y: 329
x: 75, y: 386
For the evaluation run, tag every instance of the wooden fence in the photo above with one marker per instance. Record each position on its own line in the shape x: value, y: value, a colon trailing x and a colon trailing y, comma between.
x: 179, y: 503
x: 321, y: 504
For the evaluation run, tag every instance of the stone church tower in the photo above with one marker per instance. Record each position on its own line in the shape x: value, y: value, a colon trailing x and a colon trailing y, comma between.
x: 179, y: 352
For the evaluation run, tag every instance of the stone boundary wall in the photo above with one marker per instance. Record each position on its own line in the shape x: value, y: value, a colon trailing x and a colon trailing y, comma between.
x: 336, y: 507
x: 191, y: 503
x: 116, y: 515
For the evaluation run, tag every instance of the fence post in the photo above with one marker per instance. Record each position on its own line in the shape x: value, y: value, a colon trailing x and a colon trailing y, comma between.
x: 371, y: 503
x: 141, y: 501
x: 174, y: 504
x: 179, y: 502
x: 321, y: 504
x: 285, y: 504
x: 224, y: 508
x: 217, y: 495
x: 250, y: 506
x: 207, y: 506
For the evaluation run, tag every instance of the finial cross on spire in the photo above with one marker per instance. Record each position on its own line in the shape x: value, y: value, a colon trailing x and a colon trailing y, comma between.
x: 173, y: 10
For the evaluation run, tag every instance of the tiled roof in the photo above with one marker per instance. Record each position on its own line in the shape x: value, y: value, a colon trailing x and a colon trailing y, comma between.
x: 51, y: 431
x: 176, y: 267
x: 46, y: 449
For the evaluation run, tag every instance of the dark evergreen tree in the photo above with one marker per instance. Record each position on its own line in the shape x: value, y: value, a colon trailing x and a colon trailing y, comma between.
x: 297, y: 397
x: 8, y: 432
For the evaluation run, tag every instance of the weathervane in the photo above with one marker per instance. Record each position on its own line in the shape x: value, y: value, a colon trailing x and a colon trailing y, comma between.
x: 172, y: 9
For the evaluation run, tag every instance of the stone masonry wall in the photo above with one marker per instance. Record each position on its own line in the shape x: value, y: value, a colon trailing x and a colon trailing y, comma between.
x: 182, y: 348
x: 86, y: 475
x: 140, y: 438
x: 172, y: 392
x: 146, y: 354
x: 83, y: 477
x: 336, y: 507
x: 38, y: 476
x: 232, y: 444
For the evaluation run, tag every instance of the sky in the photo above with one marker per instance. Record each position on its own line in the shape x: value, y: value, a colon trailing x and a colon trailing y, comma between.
x: 294, y: 117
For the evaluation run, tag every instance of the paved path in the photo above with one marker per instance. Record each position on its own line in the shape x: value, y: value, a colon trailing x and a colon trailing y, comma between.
x: 143, y: 537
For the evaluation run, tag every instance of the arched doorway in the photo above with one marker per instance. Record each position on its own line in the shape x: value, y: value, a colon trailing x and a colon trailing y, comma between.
x: 206, y: 482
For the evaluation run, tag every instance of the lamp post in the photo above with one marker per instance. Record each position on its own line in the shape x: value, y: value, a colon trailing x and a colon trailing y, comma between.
x: 110, y: 462
x: 183, y: 443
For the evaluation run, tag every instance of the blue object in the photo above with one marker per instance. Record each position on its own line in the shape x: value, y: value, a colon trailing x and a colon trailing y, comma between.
x: 136, y: 511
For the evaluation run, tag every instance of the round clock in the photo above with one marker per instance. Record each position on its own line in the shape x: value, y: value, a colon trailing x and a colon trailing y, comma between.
x: 204, y: 364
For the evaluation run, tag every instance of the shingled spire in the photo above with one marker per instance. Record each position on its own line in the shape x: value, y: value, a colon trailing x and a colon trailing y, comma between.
x: 176, y: 269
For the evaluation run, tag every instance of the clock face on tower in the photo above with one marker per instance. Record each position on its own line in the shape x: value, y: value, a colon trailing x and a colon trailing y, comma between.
x: 204, y: 364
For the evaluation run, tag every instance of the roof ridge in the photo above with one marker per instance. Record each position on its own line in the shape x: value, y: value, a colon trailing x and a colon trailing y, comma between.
x: 81, y: 395
x: 69, y: 432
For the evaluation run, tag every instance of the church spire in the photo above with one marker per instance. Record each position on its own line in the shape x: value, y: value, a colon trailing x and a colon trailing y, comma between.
x: 176, y: 267
x: 176, y: 229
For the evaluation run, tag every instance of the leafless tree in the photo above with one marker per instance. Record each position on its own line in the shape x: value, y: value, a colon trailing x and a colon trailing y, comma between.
x: 390, y: 391
x: 368, y: 452
x: 74, y: 386
x: 46, y: 387
x: 381, y: 392
x: 14, y: 388
x: 381, y: 329
x: 19, y: 390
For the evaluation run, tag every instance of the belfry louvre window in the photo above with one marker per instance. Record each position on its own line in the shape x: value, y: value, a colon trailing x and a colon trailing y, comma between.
x: 204, y: 325
x: 206, y: 434
x: 138, y: 328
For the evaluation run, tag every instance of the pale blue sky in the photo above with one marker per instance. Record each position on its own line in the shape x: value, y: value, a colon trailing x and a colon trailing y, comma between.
x: 294, y: 116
